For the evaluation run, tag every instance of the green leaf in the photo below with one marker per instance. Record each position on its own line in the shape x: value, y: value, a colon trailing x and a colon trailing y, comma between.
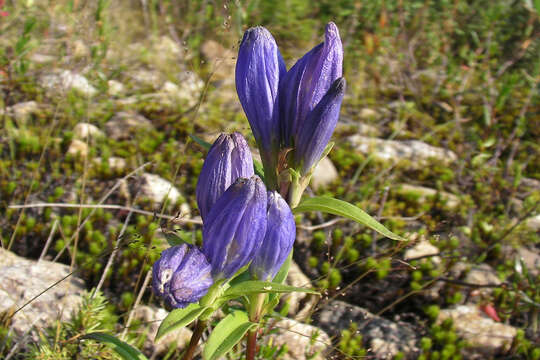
x: 257, y: 166
x: 126, y: 351
x: 179, y: 318
x: 256, y: 287
x: 281, y: 275
x: 343, y: 208
x: 226, y: 334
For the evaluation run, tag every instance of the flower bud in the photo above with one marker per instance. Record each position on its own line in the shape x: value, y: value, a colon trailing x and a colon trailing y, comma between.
x: 278, y: 240
x: 181, y: 276
x: 318, y: 127
x: 228, y: 159
x: 235, y: 227
x: 258, y: 71
x: 307, y: 82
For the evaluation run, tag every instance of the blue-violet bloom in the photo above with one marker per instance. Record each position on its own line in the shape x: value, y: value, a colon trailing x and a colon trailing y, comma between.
x: 234, y: 229
x: 307, y: 82
x: 278, y: 240
x: 181, y: 276
x: 228, y: 159
x: 318, y: 127
x: 259, y: 69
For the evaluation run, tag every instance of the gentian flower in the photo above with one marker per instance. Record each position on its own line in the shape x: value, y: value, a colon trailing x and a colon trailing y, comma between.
x: 302, y: 111
x: 181, y: 276
x: 318, y: 127
x: 234, y: 229
x: 278, y: 240
x: 259, y: 69
x: 228, y: 159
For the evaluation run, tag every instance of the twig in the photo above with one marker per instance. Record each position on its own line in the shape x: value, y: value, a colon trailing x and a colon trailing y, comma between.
x: 49, y: 239
x: 137, y: 301
x: 113, y: 254
x: 110, y: 207
x: 321, y: 226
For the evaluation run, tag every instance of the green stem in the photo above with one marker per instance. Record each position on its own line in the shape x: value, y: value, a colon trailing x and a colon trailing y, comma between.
x: 199, y: 329
x: 255, y: 314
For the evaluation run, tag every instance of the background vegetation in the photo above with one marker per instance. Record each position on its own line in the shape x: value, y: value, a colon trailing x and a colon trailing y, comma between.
x: 459, y: 75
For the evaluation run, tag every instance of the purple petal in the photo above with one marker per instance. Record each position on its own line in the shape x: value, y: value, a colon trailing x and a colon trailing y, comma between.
x: 278, y: 240
x: 228, y: 159
x: 258, y: 71
x: 307, y: 82
x: 319, y: 126
x: 235, y: 227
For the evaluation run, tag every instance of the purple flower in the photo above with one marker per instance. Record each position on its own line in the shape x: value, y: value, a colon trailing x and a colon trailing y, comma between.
x: 258, y: 72
x: 307, y: 82
x: 318, y: 127
x: 228, y: 159
x: 181, y: 276
x: 278, y: 240
x: 234, y: 229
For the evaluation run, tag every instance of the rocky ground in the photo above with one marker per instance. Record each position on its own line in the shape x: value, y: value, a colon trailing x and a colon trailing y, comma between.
x: 97, y: 166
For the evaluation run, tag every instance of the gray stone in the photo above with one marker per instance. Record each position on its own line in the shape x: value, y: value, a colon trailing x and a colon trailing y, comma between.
x: 157, y: 189
x: 78, y: 148
x: 383, y: 338
x: 324, y: 174
x: 484, y: 335
x: 67, y: 80
x: 116, y: 164
x: 303, y: 341
x: 124, y: 124
x: 422, y: 194
x: 22, y: 112
x: 23, y: 279
x: 423, y: 248
x: 417, y: 152
x: 115, y: 88
x: 482, y: 274
x: 531, y: 259
x: 84, y: 130
x: 298, y: 300
x: 151, y: 318
x: 533, y: 223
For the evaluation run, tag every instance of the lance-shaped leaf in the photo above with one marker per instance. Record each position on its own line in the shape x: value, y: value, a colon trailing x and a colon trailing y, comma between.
x: 227, y: 333
x: 319, y: 127
x: 258, y: 71
x: 235, y: 227
x: 228, y: 159
x: 278, y: 240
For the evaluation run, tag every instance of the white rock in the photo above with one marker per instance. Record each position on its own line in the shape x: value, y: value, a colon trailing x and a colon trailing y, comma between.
x: 22, y: 112
x: 324, y: 174
x: 303, y: 341
x: 423, y: 248
x: 533, y: 223
x: 148, y: 78
x: 422, y: 194
x: 368, y: 114
x: 116, y: 164
x: 124, y: 124
x: 68, y: 80
x: 23, y: 279
x: 78, y: 148
x: 415, y: 151
x: 115, y: 88
x: 41, y: 58
x: 298, y: 300
x: 84, y: 130
x: 481, y: 332
x: 157, y: 189
x: 482, y: 274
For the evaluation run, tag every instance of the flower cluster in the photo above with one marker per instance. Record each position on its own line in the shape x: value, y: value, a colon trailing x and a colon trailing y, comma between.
x: 247, y: 221
x: 241, y: 222
x: 290, y: 112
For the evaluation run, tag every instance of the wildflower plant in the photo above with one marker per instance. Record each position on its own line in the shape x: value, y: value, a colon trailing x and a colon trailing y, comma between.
x: 247, y: 209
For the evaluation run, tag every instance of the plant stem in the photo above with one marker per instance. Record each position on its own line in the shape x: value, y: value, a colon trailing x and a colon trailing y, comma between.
x: 199, y: 329
x: 251, y: 345
x: 255, y: 313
